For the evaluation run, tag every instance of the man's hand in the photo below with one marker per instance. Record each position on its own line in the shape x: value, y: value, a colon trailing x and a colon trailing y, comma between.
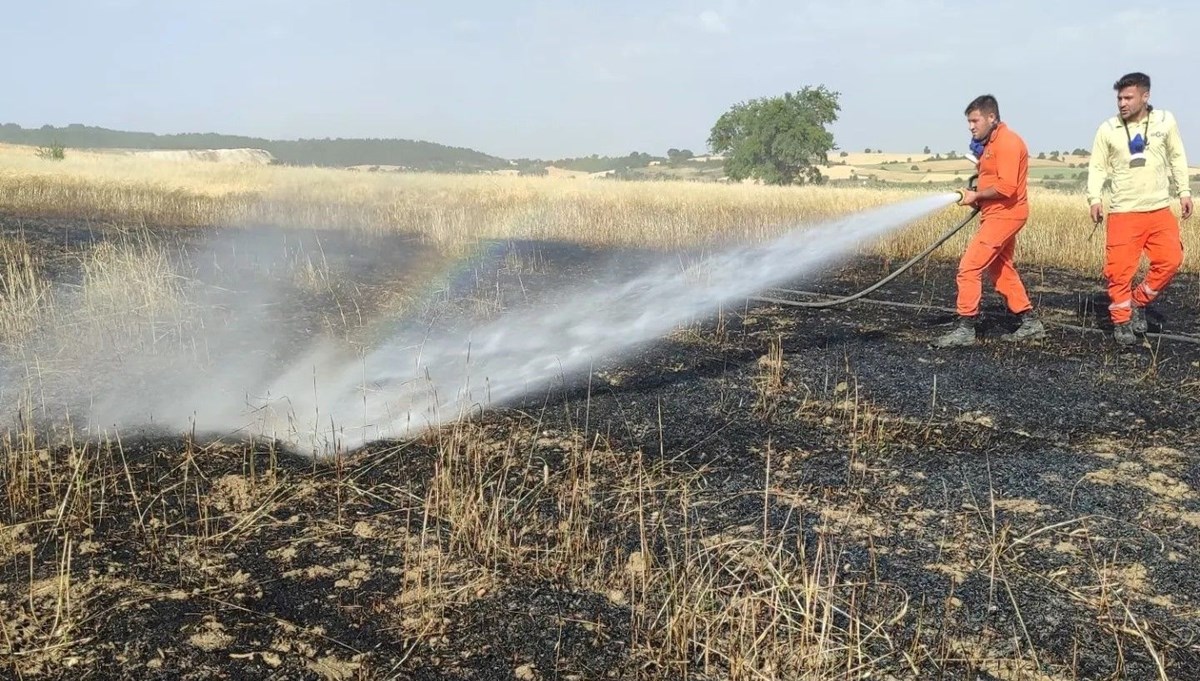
x: 969, y: 197
x: 1097, y: 213
x: 1185, y: 205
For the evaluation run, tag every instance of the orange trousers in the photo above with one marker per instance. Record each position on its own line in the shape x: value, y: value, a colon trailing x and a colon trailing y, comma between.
x: 991, y: 251
x: 1129, y: 234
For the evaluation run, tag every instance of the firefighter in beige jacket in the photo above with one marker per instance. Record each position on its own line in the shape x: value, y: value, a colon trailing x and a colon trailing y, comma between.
x: 1139, y: 154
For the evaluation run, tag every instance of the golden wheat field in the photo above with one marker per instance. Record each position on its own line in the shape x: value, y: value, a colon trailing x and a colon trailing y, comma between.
x: 451, y: 210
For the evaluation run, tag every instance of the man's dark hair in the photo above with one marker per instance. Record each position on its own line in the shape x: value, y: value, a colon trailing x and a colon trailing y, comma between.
x: 984, y: 104
x: 1138, y: 80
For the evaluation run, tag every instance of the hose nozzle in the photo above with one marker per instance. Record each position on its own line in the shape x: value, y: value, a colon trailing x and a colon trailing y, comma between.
x: 972, y: 185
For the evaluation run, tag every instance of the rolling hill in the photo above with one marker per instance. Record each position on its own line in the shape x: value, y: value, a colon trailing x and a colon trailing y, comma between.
x: 339, y: 152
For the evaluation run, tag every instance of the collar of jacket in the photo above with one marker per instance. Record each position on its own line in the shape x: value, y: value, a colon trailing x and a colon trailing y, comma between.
x: 995, y: 131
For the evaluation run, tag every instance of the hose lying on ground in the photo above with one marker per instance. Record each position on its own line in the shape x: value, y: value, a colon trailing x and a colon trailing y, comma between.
x: 1183, y: 338
x: 914, y: 260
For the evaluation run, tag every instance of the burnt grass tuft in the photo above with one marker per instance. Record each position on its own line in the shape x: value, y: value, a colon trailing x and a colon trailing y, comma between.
x: 768, y: 493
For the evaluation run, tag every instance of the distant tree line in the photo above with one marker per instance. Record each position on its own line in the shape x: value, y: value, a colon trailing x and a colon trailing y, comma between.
x: 599, y: 164
x: 412, y: 154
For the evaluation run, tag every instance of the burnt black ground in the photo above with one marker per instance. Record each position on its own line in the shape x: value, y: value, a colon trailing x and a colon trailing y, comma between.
x: 1047, y: 409
x: 913, y: 462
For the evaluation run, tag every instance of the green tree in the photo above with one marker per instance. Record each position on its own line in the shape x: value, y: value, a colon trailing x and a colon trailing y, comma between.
x: 679, y: 155
x: 778, y: 140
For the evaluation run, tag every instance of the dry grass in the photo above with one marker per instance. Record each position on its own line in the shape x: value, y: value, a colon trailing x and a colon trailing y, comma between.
x: 457, y: 210
x: 26, y: 296
x: 130, y: 294
x: 129, y: 278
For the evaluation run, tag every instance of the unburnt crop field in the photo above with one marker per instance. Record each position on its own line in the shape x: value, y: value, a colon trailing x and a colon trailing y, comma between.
x: 767, y: 492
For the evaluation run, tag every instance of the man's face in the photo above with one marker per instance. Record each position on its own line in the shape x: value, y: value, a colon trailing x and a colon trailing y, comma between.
x: 1131, y: 101
x: 980, y: 124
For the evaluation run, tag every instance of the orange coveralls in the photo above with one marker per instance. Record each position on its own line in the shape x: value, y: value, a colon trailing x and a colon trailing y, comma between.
x: 1157, y: 232
x: 1004, y: 165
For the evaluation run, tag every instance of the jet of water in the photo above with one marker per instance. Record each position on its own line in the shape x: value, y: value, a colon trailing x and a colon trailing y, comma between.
x: 407, y: 385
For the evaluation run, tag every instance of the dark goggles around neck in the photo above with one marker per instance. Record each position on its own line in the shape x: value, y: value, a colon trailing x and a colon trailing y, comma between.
x: 1139, y: 142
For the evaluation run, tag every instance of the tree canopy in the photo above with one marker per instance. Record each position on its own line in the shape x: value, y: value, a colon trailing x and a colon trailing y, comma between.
x: 679, y: 155
x: 778, y: 140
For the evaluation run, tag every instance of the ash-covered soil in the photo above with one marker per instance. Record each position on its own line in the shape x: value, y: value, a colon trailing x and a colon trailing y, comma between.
x: 771, y: 492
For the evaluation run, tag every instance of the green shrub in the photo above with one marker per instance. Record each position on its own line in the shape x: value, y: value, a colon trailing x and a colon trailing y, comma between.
x: 54, y: 152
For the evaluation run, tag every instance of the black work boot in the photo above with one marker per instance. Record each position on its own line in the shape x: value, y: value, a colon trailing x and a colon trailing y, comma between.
x: 1031, y: 328
x: 1138, y: 322
x: 1123, y: 334
x: 963, y: 335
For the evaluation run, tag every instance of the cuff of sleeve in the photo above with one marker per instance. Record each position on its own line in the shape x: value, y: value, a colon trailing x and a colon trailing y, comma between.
x: 1185, y: 192
x: 1093, y: 201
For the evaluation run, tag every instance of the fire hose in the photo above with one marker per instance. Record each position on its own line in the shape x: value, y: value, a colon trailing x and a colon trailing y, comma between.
x: 971, y: 184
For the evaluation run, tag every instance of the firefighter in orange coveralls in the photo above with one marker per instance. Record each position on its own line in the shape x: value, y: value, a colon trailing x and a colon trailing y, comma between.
x: 1140, y: 154
x: 1002, y: 197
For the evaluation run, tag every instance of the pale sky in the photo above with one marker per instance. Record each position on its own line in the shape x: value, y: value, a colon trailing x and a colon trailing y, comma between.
x: 552, y: 79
